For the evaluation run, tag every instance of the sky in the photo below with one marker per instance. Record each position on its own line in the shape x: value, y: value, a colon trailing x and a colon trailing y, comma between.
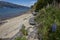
x: 21, y: 2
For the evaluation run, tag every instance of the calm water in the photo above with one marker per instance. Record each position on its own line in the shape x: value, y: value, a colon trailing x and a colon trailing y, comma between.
x: 11, y: 12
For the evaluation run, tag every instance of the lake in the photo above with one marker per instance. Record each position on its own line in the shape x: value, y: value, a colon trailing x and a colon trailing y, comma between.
x: 11, y: 12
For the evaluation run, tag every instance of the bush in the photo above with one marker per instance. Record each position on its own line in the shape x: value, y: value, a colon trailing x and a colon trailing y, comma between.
x: 24, y: 31
x: 21, y: 38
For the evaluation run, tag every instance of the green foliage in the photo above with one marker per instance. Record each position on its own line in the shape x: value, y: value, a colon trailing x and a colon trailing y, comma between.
x: 32, y: 6
x: 47, y: 17
x: 42, y: 3
x: 24, y: 31
x: 21, y: 38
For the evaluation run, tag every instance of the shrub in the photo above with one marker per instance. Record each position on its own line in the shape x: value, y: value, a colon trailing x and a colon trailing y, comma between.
x: 21, y: 38
x: 24, y: 31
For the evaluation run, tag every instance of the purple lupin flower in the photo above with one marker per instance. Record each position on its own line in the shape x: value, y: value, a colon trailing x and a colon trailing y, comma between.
x: 54, y: 27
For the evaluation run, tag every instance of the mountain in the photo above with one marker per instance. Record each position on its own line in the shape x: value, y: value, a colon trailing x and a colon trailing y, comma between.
x: 10, y: 5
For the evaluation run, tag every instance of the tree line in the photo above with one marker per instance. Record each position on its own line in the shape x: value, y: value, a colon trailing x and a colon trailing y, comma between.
x: 43, y: 3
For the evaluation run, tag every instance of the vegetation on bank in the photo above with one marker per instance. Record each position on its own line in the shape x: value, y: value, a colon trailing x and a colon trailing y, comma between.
x: 24, y: 31
x: 46, y: 18
x: 43, y: 3
x: 21, y: 38
x: 24, y: 34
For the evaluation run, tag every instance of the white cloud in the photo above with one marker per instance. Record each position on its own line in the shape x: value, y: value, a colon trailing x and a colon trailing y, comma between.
x: 31, y: 3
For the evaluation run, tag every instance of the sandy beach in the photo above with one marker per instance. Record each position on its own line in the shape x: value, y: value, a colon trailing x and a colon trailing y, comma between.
x: 13, y: 25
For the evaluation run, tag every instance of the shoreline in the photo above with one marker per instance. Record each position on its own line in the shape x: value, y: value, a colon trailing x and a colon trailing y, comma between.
x: 6, y: 18
x: 3, y: 21
x: 7, y: 30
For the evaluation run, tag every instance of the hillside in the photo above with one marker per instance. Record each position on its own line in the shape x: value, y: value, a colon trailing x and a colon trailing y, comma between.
x: 48, y: 19
x: 11, y: 5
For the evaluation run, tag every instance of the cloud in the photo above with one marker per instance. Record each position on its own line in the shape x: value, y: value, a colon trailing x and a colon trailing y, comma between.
x: 31, y: 3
